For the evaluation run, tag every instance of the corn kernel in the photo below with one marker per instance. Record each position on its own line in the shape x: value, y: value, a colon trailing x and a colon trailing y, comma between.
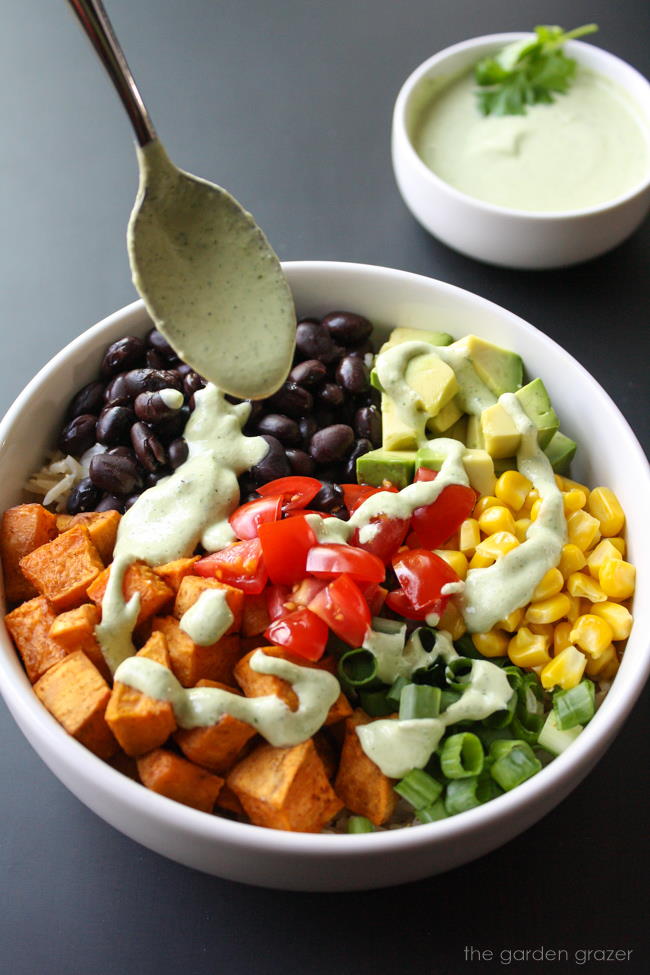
x: 605, y: 506
x: 494, y: 546
x: 580, y: 584
x: 617, y: 578
x: 596, y: 665
x: 573, y: 500
x: 561, y: 637
x: 604, y: 550
x: 618, y: 543
x: 512, y: 488
x: 571, y: 560
x: 491, y: 644
x: 591, y: 634
x: 527, y: 649
x: 521, y: 527
x: 469, y: 536
x: 456, y: 560
x: 609, y: 671
x: 618, y: 617
x: 583, y: 530
x: 479, y: 561
x: 566, y: 484
x: 511, y: 621
x: 549, y: 585
x: 531, y: 498
x: 543, y: 629
x: 575, y: 607
x: 534, y: 509
x: 548, y: 610
x: 487, y: 501
x: 565, y: 670
x: 452, y: 621
x: 496, y: 518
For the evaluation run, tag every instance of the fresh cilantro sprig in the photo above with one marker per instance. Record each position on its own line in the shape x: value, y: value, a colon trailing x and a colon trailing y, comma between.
x: 527, y: 72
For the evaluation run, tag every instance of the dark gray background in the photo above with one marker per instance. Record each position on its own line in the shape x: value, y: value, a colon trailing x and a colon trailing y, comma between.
x: 288, y: 104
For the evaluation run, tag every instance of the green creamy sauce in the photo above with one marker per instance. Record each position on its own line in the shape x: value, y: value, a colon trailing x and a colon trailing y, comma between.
x: 208, y: 618
x: 588, y: 147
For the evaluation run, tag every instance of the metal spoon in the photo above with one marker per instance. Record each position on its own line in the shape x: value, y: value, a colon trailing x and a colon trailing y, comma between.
x: 207, y: 274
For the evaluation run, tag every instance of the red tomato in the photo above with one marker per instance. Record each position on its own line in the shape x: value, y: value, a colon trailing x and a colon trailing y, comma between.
x: 246, y: 520
x: 400, y: 604
x: 301, y: 633
x: 298, y: 512
x: 435, y: 523
x: 296, y: 491
x: 375, y: 596
x: 343, y: 608
x: 305, y: 591
x: 388, y: 538
x: 425, y: 474
x: 327, y: 561
x: 276, y: 598
x: 240, y: 565
x: 355, y: 494
x: 422, y: 575
x: 285, y: 545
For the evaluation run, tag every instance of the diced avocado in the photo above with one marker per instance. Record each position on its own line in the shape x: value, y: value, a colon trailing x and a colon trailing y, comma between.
x: 499, y: 430
x: 374, y: 380
x: 441, y: 423
x: 500, y: 369
x: 504, y: 464
x: 433, y: 380
x: 381, y: 465
x: 396, y: 435
x: 459, y: 430
x: 537, y: 404
x: 478, y: 465
x: 560, y: 451
x: 399, y: 335
x: 474, y: 438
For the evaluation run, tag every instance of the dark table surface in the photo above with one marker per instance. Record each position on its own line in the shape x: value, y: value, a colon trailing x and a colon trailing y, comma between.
x: 288, y: 104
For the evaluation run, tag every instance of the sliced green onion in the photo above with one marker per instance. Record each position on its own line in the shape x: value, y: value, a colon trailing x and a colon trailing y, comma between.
x: 489, y: 735
x: 486, y: 788
x: 575, y: 706
x: 395, y: 690
x: 447, y: 698
x: 419, y: 788
x: 461, y: 795
x: 376, y: 703
x: 458, y: 672
x: 501, y: 746
x: 358, y: 668
x: 515, y: 676
x: 552, y: 739
x: 431, y: 814
x: 433, y: 675
x: 426, y: 636
x: 503, y: 717
x: 515, y: 767
x: 419, y: 701
x: 360, y: 824
x: 527, y: 727
x: 461, y: 756
x: 465, y: 648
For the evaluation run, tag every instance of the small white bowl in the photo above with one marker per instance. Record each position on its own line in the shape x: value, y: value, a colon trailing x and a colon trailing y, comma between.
x: 608, y: 454
x: 497, y: 234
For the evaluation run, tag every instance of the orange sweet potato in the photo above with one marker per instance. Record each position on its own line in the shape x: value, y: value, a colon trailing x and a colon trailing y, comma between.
x: 174, y: 572
x: 63, y: 569
x: 362, y: 786
x: 24, y: 528
x: 139, y: 577
x: 191, y: 662
x: 255, y: 617
x: 191, y: 588
x: 175, y: 777
x: 29, y: 625
x: 75, y: 630
x: 217, y: 746
x: 102, y: 527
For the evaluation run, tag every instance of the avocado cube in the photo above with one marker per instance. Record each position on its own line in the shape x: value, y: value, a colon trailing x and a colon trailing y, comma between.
x: 381, y: 465
x: 396, y: 435
x: 441, y: 423
x: 477, y: 463
x: 459, y: 430
x: 500, y: 434
x: 399, y: 335
x: 560, y: 451
x: 474, y: 438
x: 500, y: 369
x: 433, y: 380
x: 537, y: 404
x: 499, y: 430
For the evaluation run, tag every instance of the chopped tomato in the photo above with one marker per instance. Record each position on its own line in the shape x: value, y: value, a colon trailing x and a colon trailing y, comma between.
x: 355, y: 494
x: 297, y: 512
x: 276, y: 599
x: 305, y: 591
x: 302, y: 633
x: 435, y: 523
x: 327, y: 561
x: 387, y: 538
x: 246, y: 520
x: 422, y: 575
x: 285, y: 545
x: 399, y: 602
x: 342, y: 606
x: 296, y: 491
x: 240, y: 565
x: 375, y: 596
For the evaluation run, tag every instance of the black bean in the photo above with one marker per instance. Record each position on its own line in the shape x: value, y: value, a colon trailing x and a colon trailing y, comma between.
x: 352, y: 374
x: 152, y: 478
x: 148, y: 449
x: 114, y: 424
x: 291, y: 399
x: 117, y: 392
x: 274, y: 464
x: 183, y: 369
x: 311, y: 372
x: 177, y: 452
x: 154, y: 360
x: 172, y: 428
x: 257, y: 408
x: 78, y: 435
x: 192, y: 382
x: 131, y: 500
x: 346, y: 327
x: 300, y: 462
x: 281, y: 427
x: 122, y: 452
x: 158, y: 342
x: 330, y: 396
x: 331, y: 472
x: 360, y: 448
x: 247, y: 484
x: 142, y: 380
x: 367, y: 424
x: 83, y: 497
x: 114, y: 473
x: 308, y: 427
x: 126, y: 353
x: 315, y: 342
x: 332, y: 443
x: 89, y: 399
x: 363, y: 349
x: 329, y: 498
x: 110, y: 502
x: 152, y: 407
x: 324, y: 418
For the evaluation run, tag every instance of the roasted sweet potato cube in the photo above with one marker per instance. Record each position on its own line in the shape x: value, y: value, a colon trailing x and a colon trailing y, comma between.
x: 139, y: 577
x: 175, y: 777
x: 255, y: 618
x: 362, y: 786
x: 63, y: 522
x: 285, y: 788
x: 76, y: 694
x: 29, y: 625
x: 190, y: 661
x: 174, y: 572
x: 102, y: 527
x: 156, y: 649
x: 24, y: 528
x: 228, y: 800
x: 216, y: 746
x: 63, y: 569
x: 75, y: 630
x: 191, y: 588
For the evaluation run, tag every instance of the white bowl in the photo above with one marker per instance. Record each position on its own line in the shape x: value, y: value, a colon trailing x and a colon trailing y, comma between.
x: 608, y: 454
x: 497, y: 234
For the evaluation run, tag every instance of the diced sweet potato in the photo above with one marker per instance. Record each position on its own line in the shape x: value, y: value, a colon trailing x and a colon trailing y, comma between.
x: 216, y: 746
x: 228, y: 800
x: 24, y: 528
x: 29, y: 625
x: 139, y: 577
x: 191, y: 662
x: 191, y: 588
x: 255, y: 617
x: 63, y: 522
x: 285, y: 788
x: 175, y: 777
x: 76, y: 694
x: 102, y: 527
x: 362, y: 786
x: 63, y: 569
x: 174, y: 572
x: 75, y: 630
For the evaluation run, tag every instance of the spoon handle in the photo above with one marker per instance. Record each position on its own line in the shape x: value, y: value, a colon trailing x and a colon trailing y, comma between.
x: 97, y: 26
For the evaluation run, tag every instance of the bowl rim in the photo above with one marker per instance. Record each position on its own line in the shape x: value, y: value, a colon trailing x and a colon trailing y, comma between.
x: 576, y: 47
x: 559, y: 776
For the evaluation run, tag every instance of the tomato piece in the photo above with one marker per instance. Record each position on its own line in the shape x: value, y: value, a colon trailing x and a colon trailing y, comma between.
x: 276, y: 598
x: 297, y: 512
x: 296, y: 491
x: 327, y: 561
x: 355, y: 494
x: 342, y: 606
x: 399, y: 602
x: 386, y: 540
x: 285, y: 545
x: 422, y: 575
x: 375, y: 596
x: 305, y: 591
x: 435, y: 523
x: 425, y: 474
x: 301, y: 633
x: 245, y: 520
x: 240, y: 565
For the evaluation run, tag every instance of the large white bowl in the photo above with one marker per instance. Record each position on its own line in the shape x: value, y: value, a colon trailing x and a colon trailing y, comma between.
x: 609, y: 454
x: 497, y: 234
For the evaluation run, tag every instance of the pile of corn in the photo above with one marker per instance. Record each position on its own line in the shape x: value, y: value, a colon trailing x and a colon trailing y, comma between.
x: 577, y: 618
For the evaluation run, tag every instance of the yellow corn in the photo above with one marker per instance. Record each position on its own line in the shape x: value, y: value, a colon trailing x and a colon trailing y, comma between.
x: 534, y: 509
x: 561, y: 637
x: 512, y: 620
x: 549, y: 585
x: 452, y: 621
x: 528, y: 649
x: 575, y: 607
x: 580, y: 584
x: 617, y: 578
x: 494, y: 546
x: 565, y: 670
x: 455, y: 559
x: 487, y: 501
x: 604, y: 550
x: 479, y: 561
x: 583, y: 530
x: 544, y: 629
x: 591, y: 634
x: 469, y: 535
x: 571, y: 560
x: 618, y: 543
x: 596, y: 665
x: 548, y: 610
x: 618, y: 617
x: 521, y: 527
x: 566, y: 484
x: 605, y: 506
x: 491, y: 644
x: 496, y: 518
x: 512, y: 488
x: 531, y: 498
x: 609, y: 670
x: 573, y: 500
